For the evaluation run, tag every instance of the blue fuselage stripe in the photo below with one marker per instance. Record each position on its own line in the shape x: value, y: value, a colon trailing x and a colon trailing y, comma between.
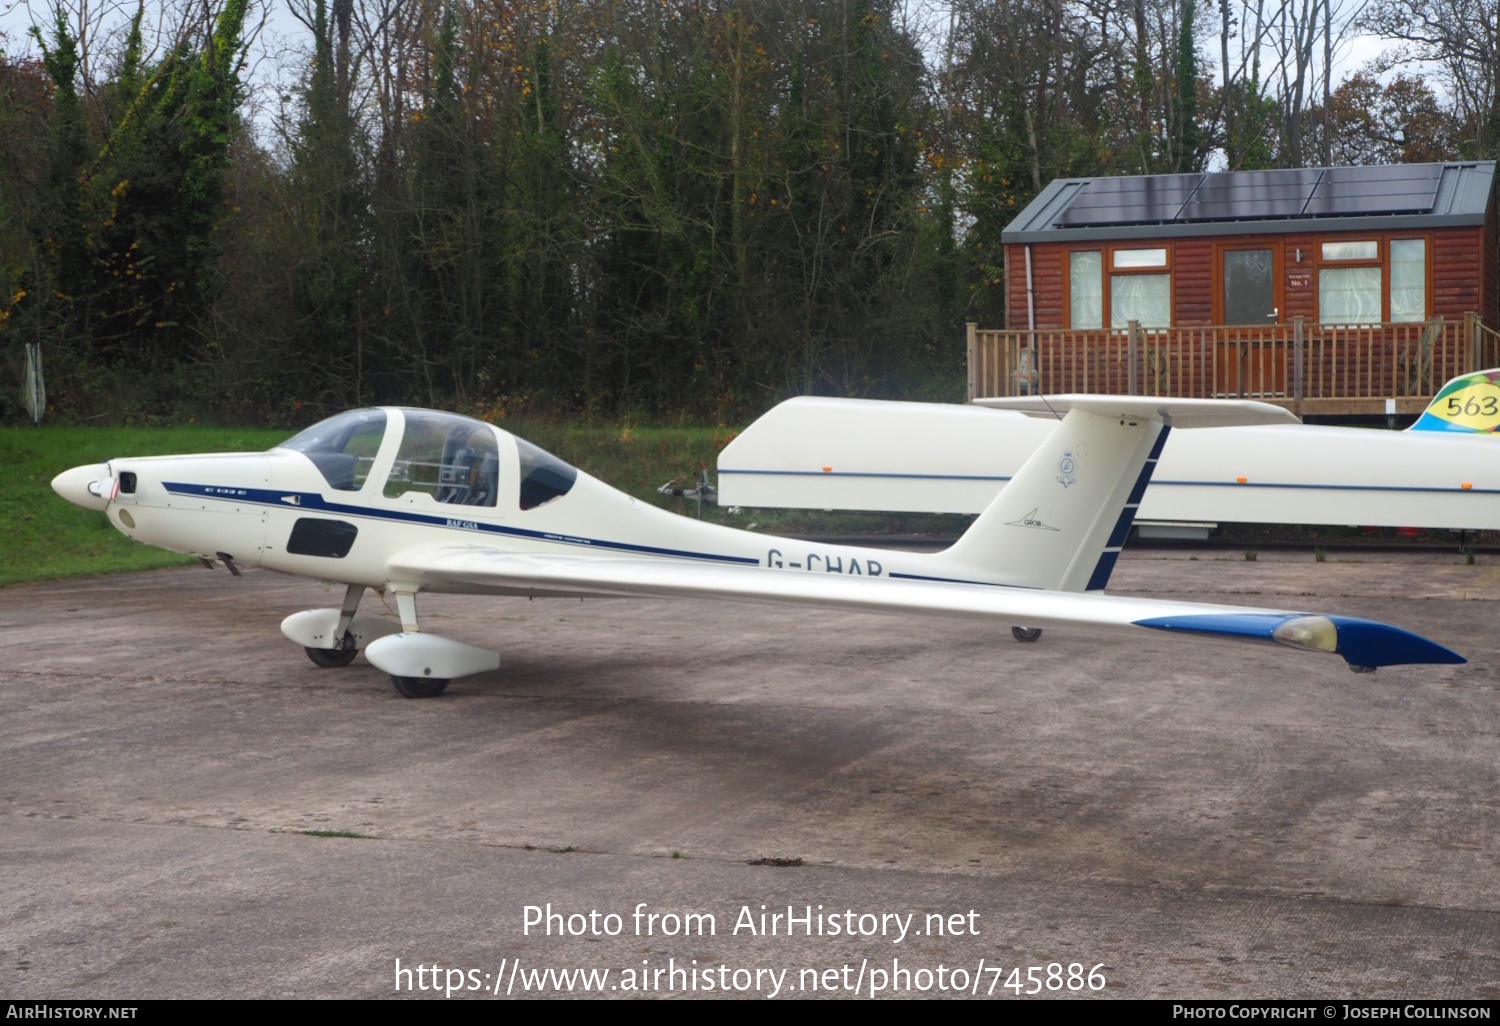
x: 857, y: 473
x: 313, y: 502
x: 1440, y: 489
x: 958, y: 580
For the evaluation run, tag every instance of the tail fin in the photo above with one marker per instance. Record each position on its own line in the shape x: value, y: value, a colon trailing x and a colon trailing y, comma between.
x: 1469, y: 404
x: 1061, y: 521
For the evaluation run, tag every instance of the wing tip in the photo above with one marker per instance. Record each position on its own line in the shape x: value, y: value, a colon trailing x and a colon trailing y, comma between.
x: 1365, y: 643
x: 1372, y: 643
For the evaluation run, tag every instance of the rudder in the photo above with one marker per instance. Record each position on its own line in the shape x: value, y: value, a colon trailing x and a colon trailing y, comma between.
x: 1061, y: 521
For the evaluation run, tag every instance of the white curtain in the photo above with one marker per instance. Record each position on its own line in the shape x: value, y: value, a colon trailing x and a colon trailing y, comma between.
x: 1408, y: 280
x: 1086, y: 290
x: 1349, y: 295
x: 1146, y: 298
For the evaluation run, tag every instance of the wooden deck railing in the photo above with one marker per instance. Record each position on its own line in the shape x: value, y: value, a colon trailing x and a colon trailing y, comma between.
x: 1314, y: 368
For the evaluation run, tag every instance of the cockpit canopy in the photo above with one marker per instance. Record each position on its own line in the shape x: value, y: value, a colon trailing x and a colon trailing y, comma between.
x: 454, y: 459
x: 343, y: 448
x: 451, y: 458
x: 544, y: 477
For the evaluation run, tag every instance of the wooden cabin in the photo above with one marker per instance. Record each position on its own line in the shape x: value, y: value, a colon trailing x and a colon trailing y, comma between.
x: 1338, y: 290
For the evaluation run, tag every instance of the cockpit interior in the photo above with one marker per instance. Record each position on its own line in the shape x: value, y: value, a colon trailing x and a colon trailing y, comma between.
x: 454, y: 459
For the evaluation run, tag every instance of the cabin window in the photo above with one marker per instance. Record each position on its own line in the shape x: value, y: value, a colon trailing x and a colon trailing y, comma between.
x: 1129, y: 259
x: 544, y: 477
x: 1146, y: 298
x: 1367, y: 249
x: 1408, y: 279
x: 453, y: 459
x: 1130, y: 293
x: 343, y: 447
x: 1086, y: 289
x: 330, y: 539
x: 1349, y: 293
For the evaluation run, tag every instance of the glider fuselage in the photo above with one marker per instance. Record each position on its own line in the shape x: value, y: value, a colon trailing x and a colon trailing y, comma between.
x: 248, y: 506
x: 407, y: 501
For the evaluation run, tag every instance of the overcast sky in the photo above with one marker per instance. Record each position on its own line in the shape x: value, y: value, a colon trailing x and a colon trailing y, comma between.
x: 274, y: 51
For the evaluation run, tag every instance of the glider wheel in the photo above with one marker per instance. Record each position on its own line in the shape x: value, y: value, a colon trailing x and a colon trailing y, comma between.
x: 330, y: 657
x: 1026, y: 633
x: 420, y: 687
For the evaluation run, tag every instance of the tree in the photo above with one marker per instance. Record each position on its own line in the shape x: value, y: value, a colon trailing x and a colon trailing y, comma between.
x: 1460, y: 41
x: 1398, y: 123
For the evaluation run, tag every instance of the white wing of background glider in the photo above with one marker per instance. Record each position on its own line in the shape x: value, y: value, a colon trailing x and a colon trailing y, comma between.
x: 474, y: 569
x: 1169, y: 410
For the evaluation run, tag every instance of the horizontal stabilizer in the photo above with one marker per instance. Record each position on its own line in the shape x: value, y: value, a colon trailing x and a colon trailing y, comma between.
x: 1185, y: 413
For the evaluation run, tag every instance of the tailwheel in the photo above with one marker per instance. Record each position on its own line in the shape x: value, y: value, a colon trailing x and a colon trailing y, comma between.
x: 1026, y: 633
x: 420, y: 687
x: 330, y: 657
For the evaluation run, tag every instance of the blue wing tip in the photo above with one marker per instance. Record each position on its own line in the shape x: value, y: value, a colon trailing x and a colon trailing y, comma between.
x: 1360, y: 642
x: 1372, y: 643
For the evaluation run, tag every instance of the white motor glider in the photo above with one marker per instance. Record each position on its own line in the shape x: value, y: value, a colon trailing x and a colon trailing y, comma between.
x: 856, y: 454
x: 405, y: 501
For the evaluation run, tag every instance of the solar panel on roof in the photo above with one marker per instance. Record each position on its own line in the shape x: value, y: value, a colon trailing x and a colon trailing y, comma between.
x: 1245, y: 195
x: 1140, y: 200
x: 1253, y: 195
x: 1403, y: 189
x: 1389, y: 172
x: 1347, y: 205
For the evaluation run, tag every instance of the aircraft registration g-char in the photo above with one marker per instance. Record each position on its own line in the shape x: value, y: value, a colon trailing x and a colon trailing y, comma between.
x: 406, y: 501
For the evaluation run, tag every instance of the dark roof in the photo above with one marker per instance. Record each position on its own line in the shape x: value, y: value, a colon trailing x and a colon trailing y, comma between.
x: 1391, y: 197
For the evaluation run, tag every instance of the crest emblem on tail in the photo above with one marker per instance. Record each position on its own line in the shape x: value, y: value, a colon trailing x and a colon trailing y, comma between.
x: 1065, y: 469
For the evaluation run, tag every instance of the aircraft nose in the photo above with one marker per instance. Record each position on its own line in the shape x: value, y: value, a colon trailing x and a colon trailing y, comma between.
x: 88, y: 486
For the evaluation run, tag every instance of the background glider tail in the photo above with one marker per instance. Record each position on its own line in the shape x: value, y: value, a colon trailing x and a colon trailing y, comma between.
x: 1468, y: 404
x: 1060, y: 522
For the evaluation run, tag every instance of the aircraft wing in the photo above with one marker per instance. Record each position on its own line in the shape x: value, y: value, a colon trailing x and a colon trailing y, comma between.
x: 1201, y: 413
x: 477, y: 569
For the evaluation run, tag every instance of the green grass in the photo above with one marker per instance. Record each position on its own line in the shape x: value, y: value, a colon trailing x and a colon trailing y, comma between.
x: 44, y: 538
x: 334, y: 833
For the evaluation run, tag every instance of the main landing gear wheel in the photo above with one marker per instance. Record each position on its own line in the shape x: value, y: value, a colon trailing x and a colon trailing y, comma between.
x: 330, y: 657
x: 420, y: 687
x: 1026, y: 633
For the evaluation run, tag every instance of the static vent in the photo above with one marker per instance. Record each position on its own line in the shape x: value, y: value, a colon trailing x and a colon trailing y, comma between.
x: 330, y: 539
